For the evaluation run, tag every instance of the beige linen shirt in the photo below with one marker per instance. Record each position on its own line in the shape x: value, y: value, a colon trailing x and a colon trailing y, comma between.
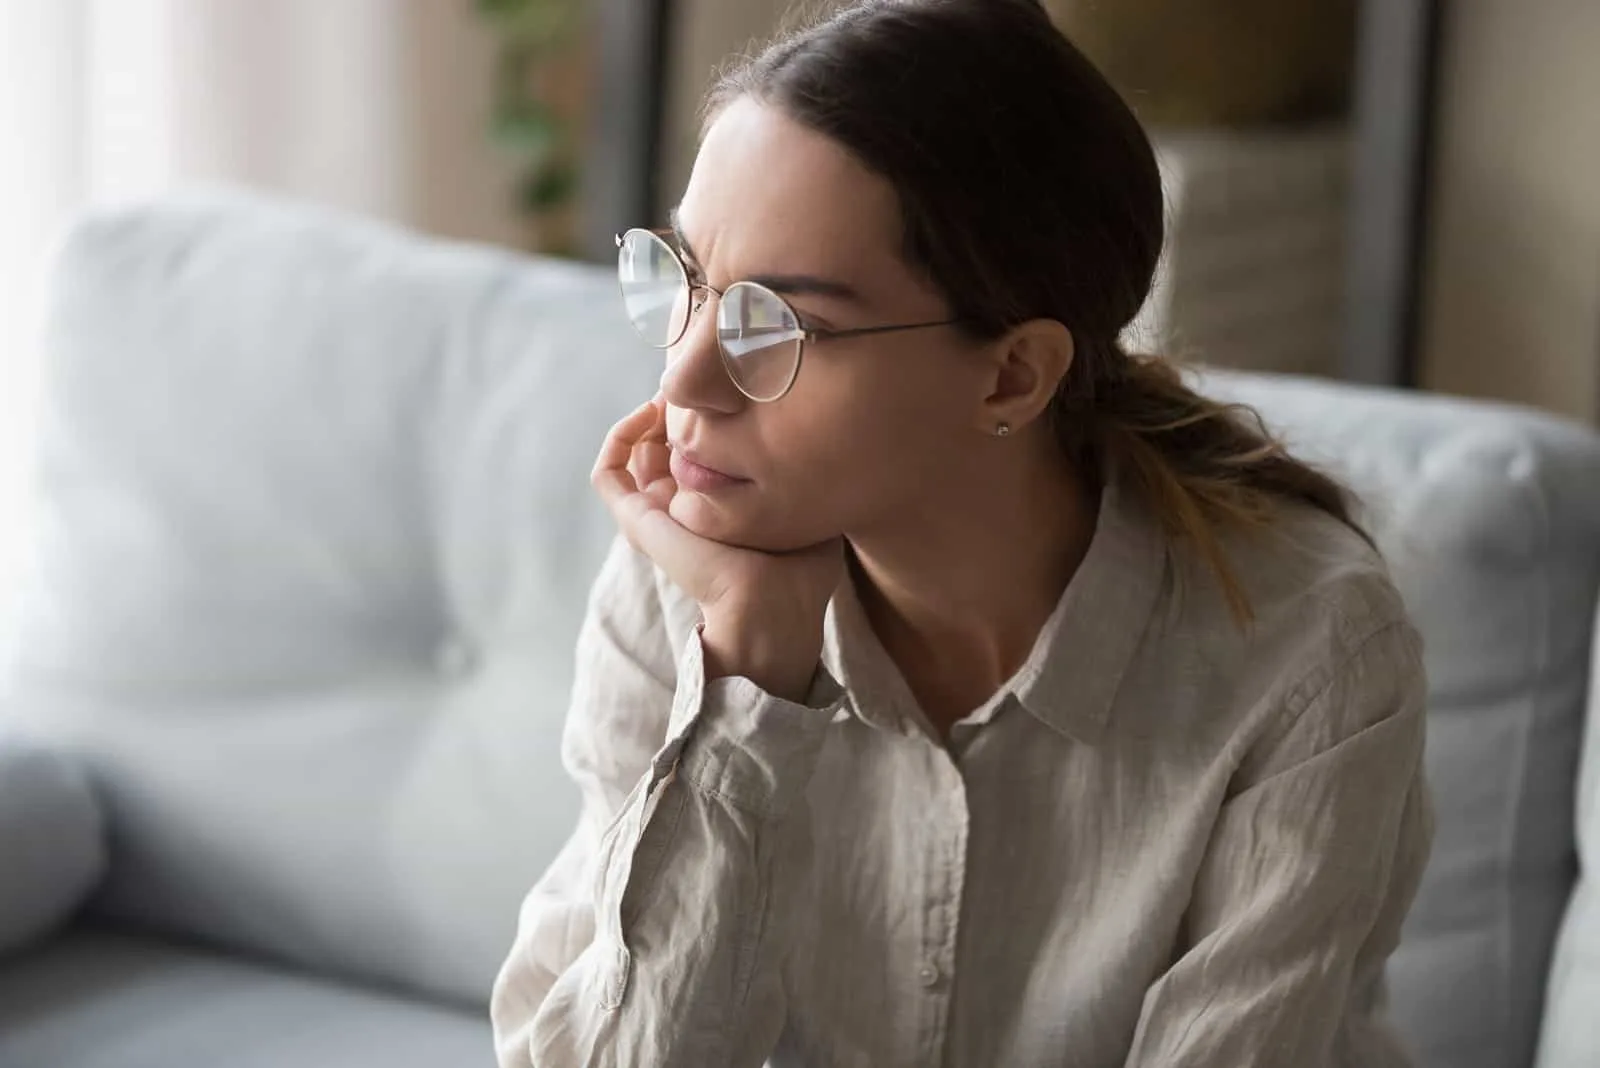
x: 1167, y: 841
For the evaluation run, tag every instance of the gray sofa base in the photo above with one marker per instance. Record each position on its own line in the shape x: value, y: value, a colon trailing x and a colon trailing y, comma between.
x: 103, y: 999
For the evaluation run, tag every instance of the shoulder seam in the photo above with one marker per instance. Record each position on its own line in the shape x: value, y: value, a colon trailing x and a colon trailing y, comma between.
x: 1311, y: 689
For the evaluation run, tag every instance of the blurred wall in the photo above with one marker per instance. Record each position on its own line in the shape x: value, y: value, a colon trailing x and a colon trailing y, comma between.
x: 376, y: 106
x: 704, y: 34
x: 1512, y: 275
x: 460, y: 186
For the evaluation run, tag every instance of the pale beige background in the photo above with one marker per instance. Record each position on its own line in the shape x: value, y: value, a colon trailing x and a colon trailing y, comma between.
x: 706, y: 34
x: 367, y: 104
x: 1512, y: 283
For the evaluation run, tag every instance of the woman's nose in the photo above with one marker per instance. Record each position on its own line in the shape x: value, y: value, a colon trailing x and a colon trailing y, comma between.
x: 694, y: 376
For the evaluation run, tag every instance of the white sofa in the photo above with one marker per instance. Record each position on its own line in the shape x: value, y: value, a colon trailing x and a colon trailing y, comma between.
x: 315, y: 540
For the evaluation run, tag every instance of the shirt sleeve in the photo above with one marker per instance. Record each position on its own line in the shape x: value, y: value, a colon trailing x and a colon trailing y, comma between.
x: 659, y: 934
x: 1310, y: 871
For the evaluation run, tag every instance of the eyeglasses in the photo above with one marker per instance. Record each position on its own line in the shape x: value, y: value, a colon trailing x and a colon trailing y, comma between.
x: 759, y: 334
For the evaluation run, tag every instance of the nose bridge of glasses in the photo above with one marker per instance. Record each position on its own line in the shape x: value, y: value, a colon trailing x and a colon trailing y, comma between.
x: 688, y: 338
x: 700, y: 293
x: 697, y: 371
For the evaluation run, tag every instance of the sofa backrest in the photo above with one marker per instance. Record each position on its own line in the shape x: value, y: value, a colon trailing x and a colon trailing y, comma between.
x: 317, y: 535
x: 1570, y: 1037
x: 1490, y: 518
x: 316, y: 538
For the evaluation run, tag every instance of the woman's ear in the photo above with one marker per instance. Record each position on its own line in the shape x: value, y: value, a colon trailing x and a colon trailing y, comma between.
x: 1028, y: 365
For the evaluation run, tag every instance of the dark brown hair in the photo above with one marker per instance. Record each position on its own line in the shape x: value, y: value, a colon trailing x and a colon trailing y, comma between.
x: 1028, y: 189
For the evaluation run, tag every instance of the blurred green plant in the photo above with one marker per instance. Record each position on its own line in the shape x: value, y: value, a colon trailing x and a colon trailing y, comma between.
x: 530, y: 34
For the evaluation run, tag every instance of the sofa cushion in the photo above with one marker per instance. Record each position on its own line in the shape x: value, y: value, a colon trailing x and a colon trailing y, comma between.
x: 1490, y: 517
x: 316, y: 536
x: 99, y: 999
x: 1570, y: 1037
x: 51, y: 838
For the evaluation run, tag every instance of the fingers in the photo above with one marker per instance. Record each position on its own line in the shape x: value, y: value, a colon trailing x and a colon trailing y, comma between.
x: 611, y: 478
x: 686, y: 557
x: 645, y: 523
x: 652, y: 469
x: 658, y: 432
x: 617, y: 449
x: 632, y: 474
x: 650, y: 461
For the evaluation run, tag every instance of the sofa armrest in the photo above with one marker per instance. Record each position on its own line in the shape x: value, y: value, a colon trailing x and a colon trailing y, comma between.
x: 52, y: 839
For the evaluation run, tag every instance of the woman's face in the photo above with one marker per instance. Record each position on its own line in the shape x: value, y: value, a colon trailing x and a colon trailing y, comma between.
x: 873, y: 425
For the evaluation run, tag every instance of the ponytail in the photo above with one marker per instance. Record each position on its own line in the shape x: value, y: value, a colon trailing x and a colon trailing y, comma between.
x: 1201, y: 465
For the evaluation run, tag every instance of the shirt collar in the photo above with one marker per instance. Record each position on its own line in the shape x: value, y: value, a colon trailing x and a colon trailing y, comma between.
x: 1071, y: 678
x: 857, y: 659
x: 1075, y: 669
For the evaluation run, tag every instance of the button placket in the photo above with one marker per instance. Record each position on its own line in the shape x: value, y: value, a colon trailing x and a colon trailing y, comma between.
x: 946, y: 860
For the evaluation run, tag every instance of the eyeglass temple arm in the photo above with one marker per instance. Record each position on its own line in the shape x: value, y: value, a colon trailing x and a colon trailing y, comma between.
x: 861, y: 331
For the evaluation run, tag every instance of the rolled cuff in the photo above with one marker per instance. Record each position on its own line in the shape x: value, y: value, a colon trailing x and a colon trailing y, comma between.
x: 733, y: 740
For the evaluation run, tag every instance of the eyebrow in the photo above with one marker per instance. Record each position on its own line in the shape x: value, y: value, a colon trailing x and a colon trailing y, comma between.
x: 785, y: 284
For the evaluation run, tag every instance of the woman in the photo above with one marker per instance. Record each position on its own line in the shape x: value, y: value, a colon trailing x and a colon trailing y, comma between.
x: 963, y: 690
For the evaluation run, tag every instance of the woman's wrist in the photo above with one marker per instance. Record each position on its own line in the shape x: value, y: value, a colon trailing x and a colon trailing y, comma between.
x: 782, y: 660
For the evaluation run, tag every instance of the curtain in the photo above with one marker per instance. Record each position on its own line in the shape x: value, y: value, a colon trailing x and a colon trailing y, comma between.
x: 43, y: 176
x: 370, y: 105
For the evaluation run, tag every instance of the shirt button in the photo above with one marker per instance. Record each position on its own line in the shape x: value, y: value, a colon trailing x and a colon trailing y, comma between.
x: 928, y: 974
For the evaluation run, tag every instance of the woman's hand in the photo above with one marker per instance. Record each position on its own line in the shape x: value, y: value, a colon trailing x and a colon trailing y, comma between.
x: 763, y: 611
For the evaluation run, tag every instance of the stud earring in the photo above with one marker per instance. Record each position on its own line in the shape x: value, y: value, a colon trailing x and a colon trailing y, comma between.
x: 1003, y: 430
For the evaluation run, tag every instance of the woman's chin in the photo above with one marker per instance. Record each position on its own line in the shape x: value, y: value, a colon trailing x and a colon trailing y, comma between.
x: 701, y: 515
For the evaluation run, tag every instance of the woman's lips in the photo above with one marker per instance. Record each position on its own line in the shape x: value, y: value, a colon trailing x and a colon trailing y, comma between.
x: 693, y: 476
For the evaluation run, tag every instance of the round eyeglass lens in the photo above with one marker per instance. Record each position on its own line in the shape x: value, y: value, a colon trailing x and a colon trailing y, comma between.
x: 760, y: 337
x: 655, y: 291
